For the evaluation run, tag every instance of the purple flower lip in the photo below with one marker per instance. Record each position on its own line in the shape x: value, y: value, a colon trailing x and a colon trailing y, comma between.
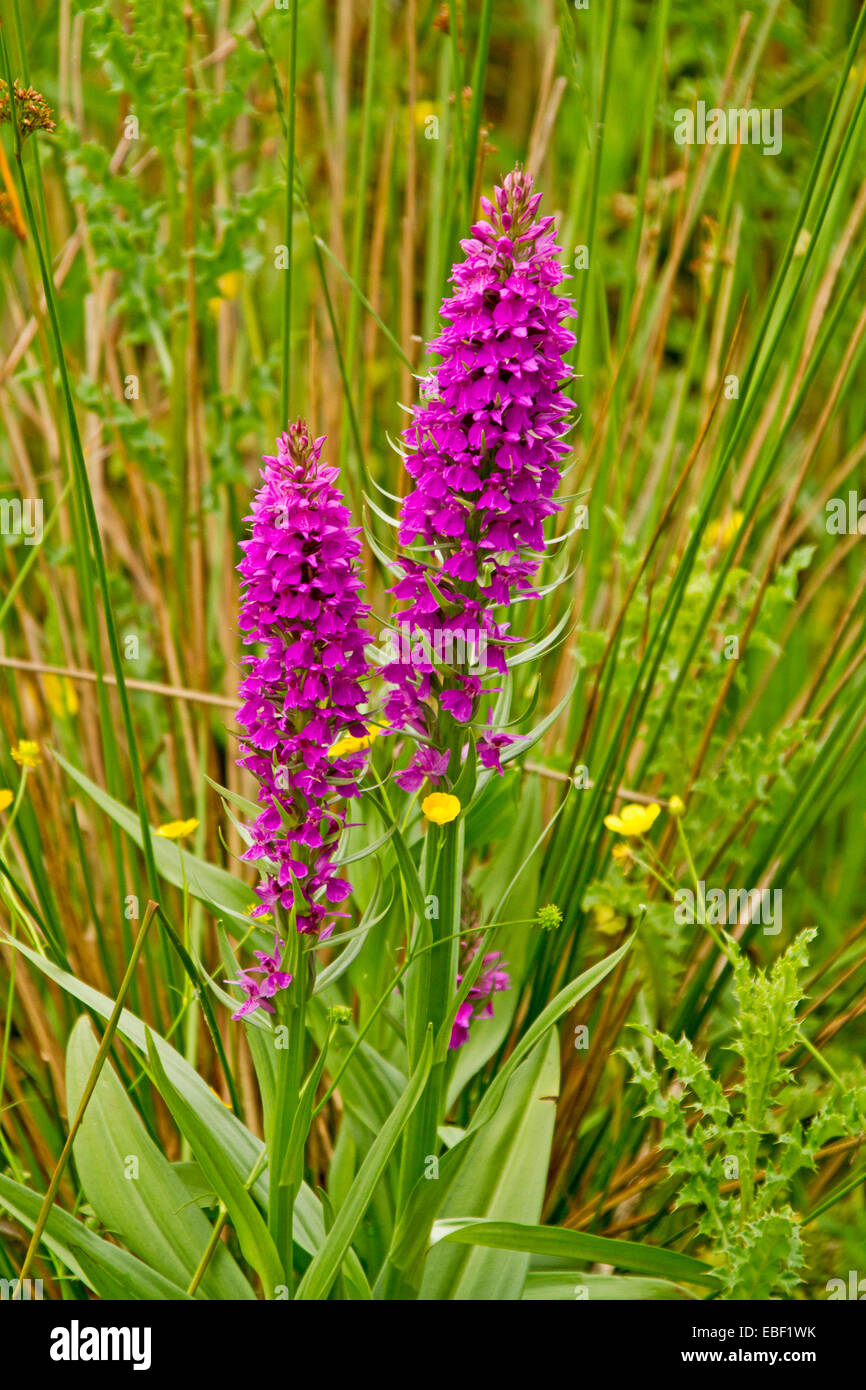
x: 300, y: 607
x: 426, y: 762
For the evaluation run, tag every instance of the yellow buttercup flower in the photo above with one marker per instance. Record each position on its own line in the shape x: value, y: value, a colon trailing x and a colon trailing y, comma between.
x: 26, y: 753
x: 633, y: 819
x: 352, y: 744
x: 176, y: 829
x: 60, y: 694
x: 440, y: 807
x: 423, y: 110
x: 677, y: 806
x: 229, y: 285
x: 722, y: 531
x: 6, y: 798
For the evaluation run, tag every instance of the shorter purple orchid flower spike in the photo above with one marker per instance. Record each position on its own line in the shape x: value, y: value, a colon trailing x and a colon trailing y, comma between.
x: 305, y: 739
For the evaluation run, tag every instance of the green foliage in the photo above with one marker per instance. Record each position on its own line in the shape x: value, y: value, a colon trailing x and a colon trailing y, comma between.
x: 746, y: 1135
x: 149, y: 345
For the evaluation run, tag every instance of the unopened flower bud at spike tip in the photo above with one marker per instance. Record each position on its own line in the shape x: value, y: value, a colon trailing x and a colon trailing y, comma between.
x: 549, y: 917
x: 634, y: 819
x: 440, y: 807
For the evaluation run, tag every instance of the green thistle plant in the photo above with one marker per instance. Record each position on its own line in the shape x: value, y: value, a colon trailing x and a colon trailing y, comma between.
x: 746, y: 1137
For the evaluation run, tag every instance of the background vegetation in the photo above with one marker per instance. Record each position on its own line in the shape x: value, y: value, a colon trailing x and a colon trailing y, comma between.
x: 717, y: 375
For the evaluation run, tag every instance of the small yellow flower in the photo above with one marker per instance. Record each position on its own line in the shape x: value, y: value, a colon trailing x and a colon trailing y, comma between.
x: 677, y: 806
x: 176, y: 829
x: 633, y: 819
x: 6, y: 798
x: 440, y: 807
x: 229, y: 285
x: 60, y: 694
x: 722, y: 532
x: 26, y: 753
x: 621, y: 853
x: 351, y: 744
x: 422, y: 111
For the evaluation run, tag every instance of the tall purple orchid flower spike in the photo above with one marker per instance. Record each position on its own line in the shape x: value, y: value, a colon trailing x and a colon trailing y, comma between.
x: 304, y: 736
x: 484, y: 448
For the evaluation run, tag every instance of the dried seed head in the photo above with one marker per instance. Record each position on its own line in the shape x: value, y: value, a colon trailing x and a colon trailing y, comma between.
x: 32, y: 111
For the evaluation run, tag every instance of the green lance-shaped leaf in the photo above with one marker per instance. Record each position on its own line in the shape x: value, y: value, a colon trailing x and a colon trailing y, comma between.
x: 400, y: 1271
x: 293, y: 1164
x: 131, y: 1185
x: 108, y: 1269
x: 255, y: 1240
x: 504, y: 1181
x: 554, y: 1242
x: 242, y: 1148
x: 316, y: 1283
